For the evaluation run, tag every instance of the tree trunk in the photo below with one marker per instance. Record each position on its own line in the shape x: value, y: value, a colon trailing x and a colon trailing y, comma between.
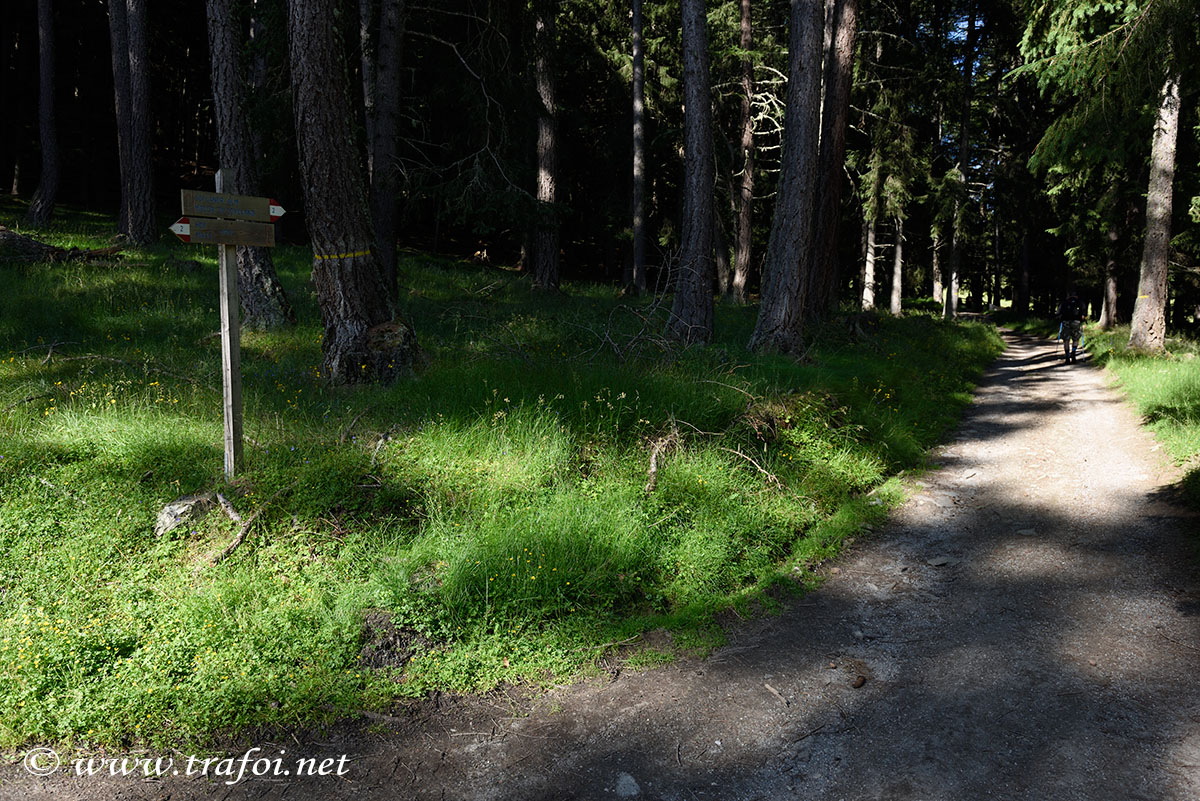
x: 1108, y: 305
x: 256, y: 74
x: 950, y: 308
x: 638, y: 277
x: 263, y: 302
x: 936, y: 267
x: 721, y: 256
x: 1021, y: 299
x: 898, y: 268
x: 139, y: 183
x: 692, y: 309
x: 362, y: 341
x: 368, y: 20
x: 964, y: 146
x: 997, y: 283
x: 1148, y: 330
x: 119, y: 39
x: 839, y: 68
x: 868, y: 295
x: 11, y: 47
x: 785, y: 282
x: 744, y: 220
x: 382, y: 36
x: 545, y: 233
x: 42, y: 205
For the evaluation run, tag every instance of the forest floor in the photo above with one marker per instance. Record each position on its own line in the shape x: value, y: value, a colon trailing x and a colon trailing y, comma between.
x: 1024, y: 627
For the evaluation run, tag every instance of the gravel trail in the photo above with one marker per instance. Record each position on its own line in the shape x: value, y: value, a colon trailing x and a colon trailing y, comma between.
x: 1026, y: 626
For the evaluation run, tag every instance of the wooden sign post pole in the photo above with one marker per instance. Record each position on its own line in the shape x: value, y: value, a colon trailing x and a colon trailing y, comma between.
x: 227, y: 220
x: 231, y: 345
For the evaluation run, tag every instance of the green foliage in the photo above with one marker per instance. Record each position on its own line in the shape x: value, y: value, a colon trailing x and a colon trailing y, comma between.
x: 492, y: 510
x: 1105, y: 61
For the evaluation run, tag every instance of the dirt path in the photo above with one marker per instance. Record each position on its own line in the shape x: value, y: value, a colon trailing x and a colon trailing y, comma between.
x: 1025, y: 628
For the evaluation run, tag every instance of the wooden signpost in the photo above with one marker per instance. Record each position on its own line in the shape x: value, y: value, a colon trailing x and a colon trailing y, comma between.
x: 226, y: 220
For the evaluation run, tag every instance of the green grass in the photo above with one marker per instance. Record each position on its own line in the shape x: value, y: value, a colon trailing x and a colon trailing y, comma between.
x: 1166, y: 389
x: 494, y: 508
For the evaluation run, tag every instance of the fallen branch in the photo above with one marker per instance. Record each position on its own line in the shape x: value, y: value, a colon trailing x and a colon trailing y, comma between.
x: 63, y: 490
x: 246, y: 525
x: 23, y: 401
x: 770, y: 476
x: 346, y: 431
x: 147, y: 366
x: 228, y: 509
x: 1177, y: 642
x: 660, y: 446
x: 809, y: 733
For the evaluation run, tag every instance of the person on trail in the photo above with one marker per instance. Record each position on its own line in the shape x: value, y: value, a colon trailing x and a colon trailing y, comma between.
x: 1070, y: 314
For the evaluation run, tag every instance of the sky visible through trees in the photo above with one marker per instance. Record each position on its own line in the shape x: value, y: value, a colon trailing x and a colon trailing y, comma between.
x: 1007, y: 149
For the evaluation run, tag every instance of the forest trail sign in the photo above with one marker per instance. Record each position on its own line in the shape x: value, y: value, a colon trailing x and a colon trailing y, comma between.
x: 208, y: 231
x: 216, y: 218
x: 230, y: 207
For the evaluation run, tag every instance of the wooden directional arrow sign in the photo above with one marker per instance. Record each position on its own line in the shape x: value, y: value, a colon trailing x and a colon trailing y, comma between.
x: 207, y: 231
x: 230, y: 207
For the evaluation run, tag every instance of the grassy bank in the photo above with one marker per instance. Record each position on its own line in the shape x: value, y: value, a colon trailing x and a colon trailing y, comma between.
x: 489, y: 520
x: 1166, y: 390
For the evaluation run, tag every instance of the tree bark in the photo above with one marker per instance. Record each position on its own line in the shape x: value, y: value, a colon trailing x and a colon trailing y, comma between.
x: 118, y: 31
x: 964, y: 145
x: 692, y: 309
x: 936, y: 269
x: 950, y: 308
x: 724, y: 266
x: 1108, y: 304
x: 743, y: 235
x: 545, y: 232
x: 263, y: 302
x: 898, y: 268
x: 382, y: 45
x: 638, y: 277
x: 1148, y: 329
x: 1021, y: 294
x: 868, y: 294
x: 140, y: 182
x: 839, y: 70
x: 368, y: 20
x: 785, y: 281
x: 42, y: 205
x: 362, y: 340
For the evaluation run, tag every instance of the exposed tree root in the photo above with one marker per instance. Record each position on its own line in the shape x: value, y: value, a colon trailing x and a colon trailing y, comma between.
x: 18, y: 247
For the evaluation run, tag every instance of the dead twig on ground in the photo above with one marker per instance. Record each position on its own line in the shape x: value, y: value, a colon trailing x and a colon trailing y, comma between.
x: 777, y: 694
x: 228, y: 509
x: 1177, y: 642
x: 29, y: 399
x: 62, y: 490
x: 247, y: 524
x: 770, y: 476
x: 727, y: 386
x: 809, y: 733
x: 660, y: 446
x: 346, y: 431
x: 150, y: 366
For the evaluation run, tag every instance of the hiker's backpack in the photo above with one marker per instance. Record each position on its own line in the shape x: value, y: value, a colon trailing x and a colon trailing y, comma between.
x: 1072, y: 309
